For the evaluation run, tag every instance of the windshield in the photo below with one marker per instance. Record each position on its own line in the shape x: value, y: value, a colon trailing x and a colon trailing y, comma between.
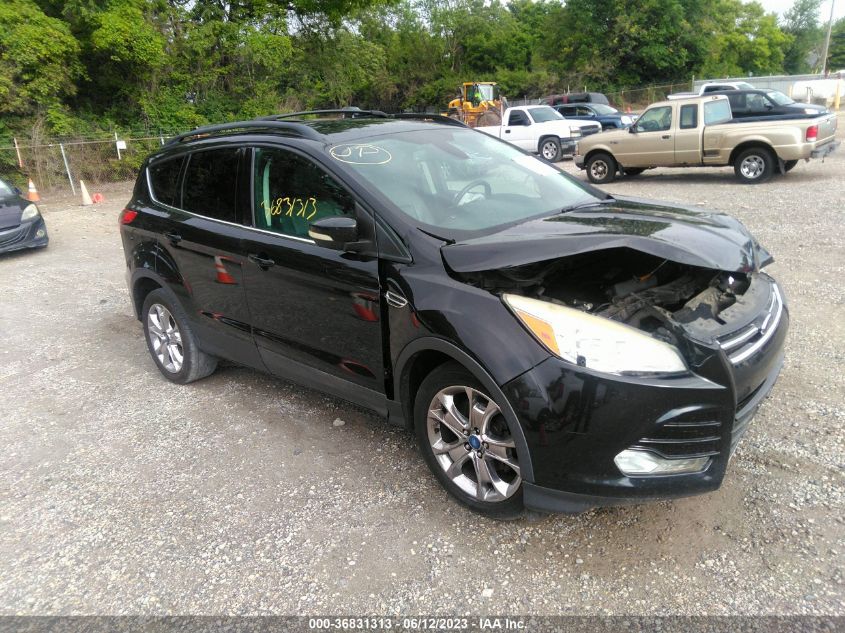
x: 486, y: 91
x: 5, y: 190
x: 452, y: 180
x: 600, y: 108
x: 778, y: 97
x: 544, y: 113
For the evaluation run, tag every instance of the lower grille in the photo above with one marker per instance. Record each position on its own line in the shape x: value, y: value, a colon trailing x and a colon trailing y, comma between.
x: 16, y: 235
x: 684, y: 433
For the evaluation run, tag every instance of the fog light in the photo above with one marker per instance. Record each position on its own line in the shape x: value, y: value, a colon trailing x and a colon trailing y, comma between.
x: 40, y: 233
x: 632, y: 462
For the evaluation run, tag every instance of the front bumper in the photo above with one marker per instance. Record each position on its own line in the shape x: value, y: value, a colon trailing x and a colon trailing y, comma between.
x: 31, y: 234
x: 579, y: 161
x: 567, y: 146
x: 576, y: 421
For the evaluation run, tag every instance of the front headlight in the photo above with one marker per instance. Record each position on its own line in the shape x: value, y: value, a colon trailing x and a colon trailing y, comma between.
x: 575, y: 132
x: 594, y: 342
x: 29, y: 213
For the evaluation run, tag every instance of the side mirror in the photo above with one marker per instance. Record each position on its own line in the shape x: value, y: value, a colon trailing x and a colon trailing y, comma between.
x: 334, y: 232
x: 632, y: 129
x: 17, y: 191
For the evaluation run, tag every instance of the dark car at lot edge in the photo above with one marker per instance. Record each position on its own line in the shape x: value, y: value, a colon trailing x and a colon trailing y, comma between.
x: 747, y: 104
x: 610, y: 118
x: 21, y: 224
x: 549, y: 346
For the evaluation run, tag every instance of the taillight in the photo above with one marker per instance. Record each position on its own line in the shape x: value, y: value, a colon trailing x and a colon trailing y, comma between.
x: 812, y: 133
x: 127, y: 215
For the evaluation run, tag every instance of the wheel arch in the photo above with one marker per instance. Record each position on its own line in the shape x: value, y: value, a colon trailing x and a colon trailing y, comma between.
x: 421, y: 356
x: 750, y: 144
x: 599, y: 149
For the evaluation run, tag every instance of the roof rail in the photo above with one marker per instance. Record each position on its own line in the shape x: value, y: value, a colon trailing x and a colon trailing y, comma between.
x: 298, y: 128
x: 436, y: 118
x: 351, y: 112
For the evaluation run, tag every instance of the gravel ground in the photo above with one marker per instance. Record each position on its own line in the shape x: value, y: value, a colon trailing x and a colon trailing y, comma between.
x: 121, y: 493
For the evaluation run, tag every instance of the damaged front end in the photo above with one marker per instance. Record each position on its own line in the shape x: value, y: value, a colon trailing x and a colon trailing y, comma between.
x: 659, y: 358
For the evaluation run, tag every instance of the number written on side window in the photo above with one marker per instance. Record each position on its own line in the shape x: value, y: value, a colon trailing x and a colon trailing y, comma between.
x: 291, y: 192
x: 211, y: 181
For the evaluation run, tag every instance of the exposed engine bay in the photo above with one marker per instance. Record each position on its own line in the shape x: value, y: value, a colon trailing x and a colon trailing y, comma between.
x: 655, y: 295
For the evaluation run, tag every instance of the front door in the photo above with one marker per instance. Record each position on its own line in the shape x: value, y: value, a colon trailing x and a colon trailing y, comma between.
x: 517, y: 131
x: 312, y: 308
x: 652, y: 143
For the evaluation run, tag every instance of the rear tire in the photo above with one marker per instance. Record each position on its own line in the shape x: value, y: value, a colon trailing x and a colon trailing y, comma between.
x: 788, y: 165
x: 467, y: 443
x: 550, y: 149
x: 754, y: 165
x: 601, y: 168
x: 171, y: 341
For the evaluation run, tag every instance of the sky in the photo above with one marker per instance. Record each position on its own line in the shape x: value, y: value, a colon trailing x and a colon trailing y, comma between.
x: 781, y: 6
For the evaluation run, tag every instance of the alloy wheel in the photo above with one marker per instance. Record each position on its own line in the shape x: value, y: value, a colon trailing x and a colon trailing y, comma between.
x: 471, y: 442
x: 165, y: 338
x: 549, y: 150
x: 598, y: 169
x: 752, y: 167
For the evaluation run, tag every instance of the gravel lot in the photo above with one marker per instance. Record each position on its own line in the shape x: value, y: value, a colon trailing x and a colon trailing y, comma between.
x: 122, y: 493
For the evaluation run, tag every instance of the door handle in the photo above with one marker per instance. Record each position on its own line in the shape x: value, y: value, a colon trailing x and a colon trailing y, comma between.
x: 666, y: 136
x: 507, y: 131
x: 263, y: 262
x: 173, y: 236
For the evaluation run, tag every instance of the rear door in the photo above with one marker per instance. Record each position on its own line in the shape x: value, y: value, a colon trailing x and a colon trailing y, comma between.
x: 312, y: 308
x: 688, y: 136
x: 202, y: 233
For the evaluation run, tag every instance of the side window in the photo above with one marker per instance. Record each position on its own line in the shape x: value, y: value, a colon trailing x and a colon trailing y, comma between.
x: 756, y: 103
x: 689, y: 117
x: 717, y: 111
x: 291, y: 192
x: 655, y: 120
x: 518, y: 117
x: 582, y: 111
x: 211, y: 182
x: 568, y: 110
x: 164, y: 180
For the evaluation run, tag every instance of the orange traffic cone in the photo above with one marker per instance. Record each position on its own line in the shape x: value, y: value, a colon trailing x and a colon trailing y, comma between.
x: 32, y: 194
x: 223, y: 276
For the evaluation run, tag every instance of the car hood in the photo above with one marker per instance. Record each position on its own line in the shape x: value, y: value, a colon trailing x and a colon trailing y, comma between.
x: 11, y: 208
x: 681, y: 234
x: 802, y: 107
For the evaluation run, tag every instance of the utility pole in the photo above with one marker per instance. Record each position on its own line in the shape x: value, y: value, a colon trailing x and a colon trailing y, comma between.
x: 827, y: 39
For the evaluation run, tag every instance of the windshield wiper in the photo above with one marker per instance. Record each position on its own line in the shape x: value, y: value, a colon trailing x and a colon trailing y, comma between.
x: 589, y: 203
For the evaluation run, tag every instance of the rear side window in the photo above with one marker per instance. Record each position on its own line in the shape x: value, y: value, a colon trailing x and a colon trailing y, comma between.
x: 211, y: 181
x: 164, y: 180
x: 717, y: 112
x: 689, y: 117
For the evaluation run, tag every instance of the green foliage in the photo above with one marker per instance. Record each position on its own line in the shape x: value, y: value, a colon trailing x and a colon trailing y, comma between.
x: 80, y: 65
x: 802, y: 23
x: 836, y: 52
x: 39, y: 59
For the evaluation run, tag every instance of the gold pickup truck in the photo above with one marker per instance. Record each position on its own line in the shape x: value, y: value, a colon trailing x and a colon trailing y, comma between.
x: 701, y: 132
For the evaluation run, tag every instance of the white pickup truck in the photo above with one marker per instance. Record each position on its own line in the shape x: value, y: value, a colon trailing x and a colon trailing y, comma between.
x: 542, y: 130
x: 712, y: 86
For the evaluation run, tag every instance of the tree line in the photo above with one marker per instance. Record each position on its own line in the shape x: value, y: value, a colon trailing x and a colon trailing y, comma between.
x: 82, y: 66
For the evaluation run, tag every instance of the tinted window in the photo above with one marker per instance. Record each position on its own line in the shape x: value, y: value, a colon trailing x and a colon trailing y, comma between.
x: 518, y: 117
x: 211, y: 182
x: 689, y: 117
x: 164, y: 180
x: 291, y: 192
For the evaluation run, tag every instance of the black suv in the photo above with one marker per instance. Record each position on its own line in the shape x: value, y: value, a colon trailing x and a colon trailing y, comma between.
x: 550, y: 346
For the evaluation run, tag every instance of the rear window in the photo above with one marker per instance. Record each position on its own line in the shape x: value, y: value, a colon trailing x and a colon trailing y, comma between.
x: 164, y: 181
x: 210, y: 186
x: 717, y: 111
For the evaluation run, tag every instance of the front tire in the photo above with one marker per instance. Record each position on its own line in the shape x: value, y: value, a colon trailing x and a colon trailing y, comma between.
x: 754, y: 165
x: 171, y: 341
x: 601, y: 168
x: 550, y: 149
x: 467, y: 443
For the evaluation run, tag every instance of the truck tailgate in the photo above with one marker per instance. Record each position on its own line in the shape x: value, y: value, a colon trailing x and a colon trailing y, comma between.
x: 827, y: 128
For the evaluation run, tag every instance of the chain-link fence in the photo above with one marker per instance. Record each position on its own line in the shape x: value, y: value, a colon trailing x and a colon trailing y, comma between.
x: 59, y: 165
